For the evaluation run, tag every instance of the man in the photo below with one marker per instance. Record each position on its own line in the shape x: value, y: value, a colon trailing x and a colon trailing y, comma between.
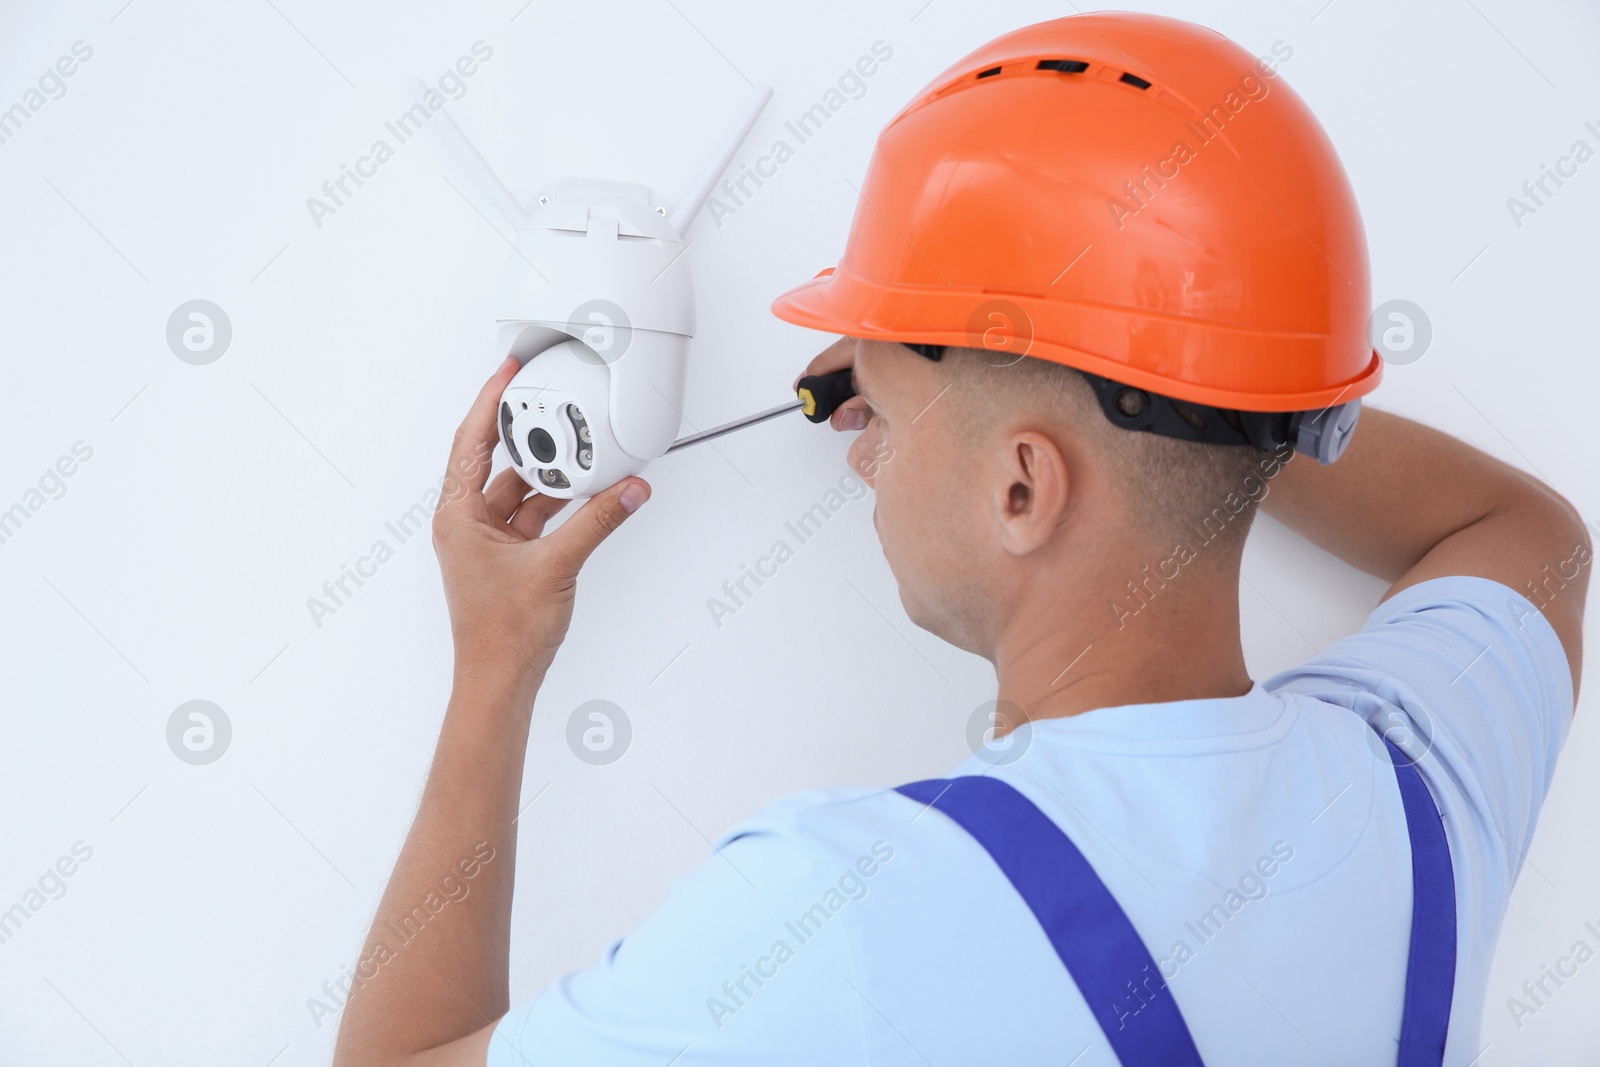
x: 1161, y: 860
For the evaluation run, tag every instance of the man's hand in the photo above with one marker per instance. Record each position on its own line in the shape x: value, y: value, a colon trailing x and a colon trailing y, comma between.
x: 510, y: 587
x: 432, y: 1001
x: 852, y: 414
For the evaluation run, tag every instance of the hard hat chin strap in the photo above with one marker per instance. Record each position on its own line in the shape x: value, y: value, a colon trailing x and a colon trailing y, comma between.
x: 1139, y: 409
x: 1321, y: 434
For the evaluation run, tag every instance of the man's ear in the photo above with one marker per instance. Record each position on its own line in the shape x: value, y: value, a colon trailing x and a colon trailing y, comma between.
x: 1033, y: 490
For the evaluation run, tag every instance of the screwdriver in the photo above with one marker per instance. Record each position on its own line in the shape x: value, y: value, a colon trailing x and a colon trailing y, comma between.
x: 819, y: 396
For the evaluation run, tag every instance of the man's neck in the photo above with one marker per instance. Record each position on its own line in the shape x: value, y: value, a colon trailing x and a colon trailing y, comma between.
x: 1069, y: 650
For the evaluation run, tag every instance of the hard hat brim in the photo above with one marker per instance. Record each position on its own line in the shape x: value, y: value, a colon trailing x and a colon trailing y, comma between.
x: 838, y: 302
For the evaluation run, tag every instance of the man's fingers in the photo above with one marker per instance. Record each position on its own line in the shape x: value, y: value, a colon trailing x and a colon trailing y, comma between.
x: 534, y: 512
x: 504, y: 494
x: 851, y: 415
x: 837, y: 356
x: 473, y: 447
x: 581, y: 535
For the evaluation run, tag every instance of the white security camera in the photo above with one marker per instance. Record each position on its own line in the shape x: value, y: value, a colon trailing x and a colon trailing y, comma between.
x: 597, y: 303
x: 550, y: 440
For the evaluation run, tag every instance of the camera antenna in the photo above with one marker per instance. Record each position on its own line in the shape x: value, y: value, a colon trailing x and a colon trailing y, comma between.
x: 473, y: 160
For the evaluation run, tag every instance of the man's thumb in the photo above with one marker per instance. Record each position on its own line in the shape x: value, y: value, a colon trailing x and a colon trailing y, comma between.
x: 580, y: 535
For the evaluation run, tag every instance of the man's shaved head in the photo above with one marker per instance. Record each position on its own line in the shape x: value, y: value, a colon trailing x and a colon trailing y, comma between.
x: 1171, y: 486
x: 1003, y: 489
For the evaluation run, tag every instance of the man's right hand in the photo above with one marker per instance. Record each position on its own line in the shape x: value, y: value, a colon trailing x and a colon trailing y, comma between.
x: 852, y: 414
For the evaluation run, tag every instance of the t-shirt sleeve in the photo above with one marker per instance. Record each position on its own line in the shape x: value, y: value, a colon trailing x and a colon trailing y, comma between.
x: 717, y: 974
x: 1470, y: 681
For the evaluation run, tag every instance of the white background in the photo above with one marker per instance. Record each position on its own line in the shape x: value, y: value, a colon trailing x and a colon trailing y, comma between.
x: 178, y: 564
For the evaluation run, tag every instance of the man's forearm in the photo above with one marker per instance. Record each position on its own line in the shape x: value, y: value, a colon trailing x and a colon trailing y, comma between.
x: 1409, y: 503
x: 433, y: 975
x: 434, y: 966
x: 1399, y: 490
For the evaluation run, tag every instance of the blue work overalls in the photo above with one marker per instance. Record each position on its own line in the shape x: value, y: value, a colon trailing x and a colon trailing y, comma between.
x: 1100, y: 948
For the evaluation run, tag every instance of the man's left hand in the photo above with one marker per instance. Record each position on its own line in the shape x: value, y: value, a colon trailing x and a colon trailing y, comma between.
x: 508, y: 585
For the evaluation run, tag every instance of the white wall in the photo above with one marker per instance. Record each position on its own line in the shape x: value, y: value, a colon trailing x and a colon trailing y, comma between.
x: 218, y: 498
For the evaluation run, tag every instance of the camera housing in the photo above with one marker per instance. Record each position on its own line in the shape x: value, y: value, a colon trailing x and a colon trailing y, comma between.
x: 597, y: 304
x: 555, y: 424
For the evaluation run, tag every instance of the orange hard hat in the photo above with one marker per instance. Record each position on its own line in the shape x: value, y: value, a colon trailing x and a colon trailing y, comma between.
x: 1130, y: 195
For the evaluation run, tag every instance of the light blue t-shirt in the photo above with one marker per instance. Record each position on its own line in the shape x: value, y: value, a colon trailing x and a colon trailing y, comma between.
x: 1257, y: 844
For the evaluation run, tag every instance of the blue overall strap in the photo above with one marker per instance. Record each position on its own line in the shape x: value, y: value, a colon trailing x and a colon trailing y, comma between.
x: 1105, y: 956
x: 1431, y: 971
x: 1088, y: 929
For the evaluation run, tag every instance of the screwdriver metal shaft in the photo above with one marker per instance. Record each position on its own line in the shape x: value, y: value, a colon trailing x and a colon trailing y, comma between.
x: 819, y: 396
x: 737, y: 424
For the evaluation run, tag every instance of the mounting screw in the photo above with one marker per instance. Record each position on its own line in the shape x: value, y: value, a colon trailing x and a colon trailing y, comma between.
x: 543, y: 200
x: 662, y: 211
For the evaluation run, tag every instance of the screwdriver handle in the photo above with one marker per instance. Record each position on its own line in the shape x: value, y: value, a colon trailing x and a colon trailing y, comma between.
x: 821, y: 394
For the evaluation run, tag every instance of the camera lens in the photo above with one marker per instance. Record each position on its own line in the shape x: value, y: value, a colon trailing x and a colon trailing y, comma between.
x: 541, y: 444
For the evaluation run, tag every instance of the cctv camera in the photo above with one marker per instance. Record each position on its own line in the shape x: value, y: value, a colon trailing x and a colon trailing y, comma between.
x: 597, y: 303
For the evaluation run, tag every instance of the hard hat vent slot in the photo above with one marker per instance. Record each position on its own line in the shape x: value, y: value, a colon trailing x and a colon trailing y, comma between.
x: 1135, y: 81
x: 1065, y: 66
x: 991, y: 72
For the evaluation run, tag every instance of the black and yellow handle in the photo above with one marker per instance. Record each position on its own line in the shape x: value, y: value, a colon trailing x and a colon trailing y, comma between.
x: 821, y: 394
